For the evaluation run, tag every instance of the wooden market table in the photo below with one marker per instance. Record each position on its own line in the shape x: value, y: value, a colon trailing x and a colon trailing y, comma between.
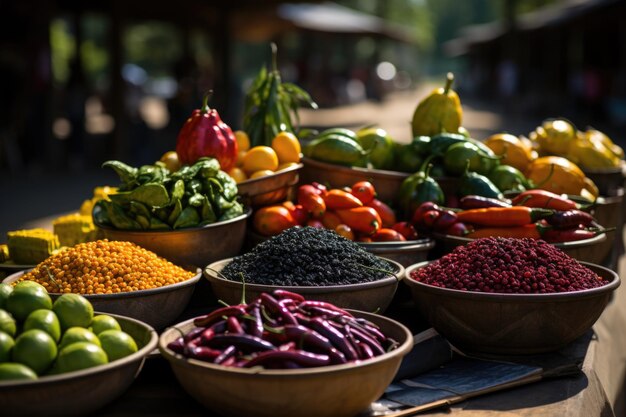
x: 598, y: 391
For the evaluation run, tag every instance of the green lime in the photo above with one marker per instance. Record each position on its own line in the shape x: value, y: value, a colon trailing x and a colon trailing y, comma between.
x: 5, y: 290
x: 104, y: 322
x: 35, y: 349
x: 12, y: 370
x: 6, y: 344
x: 80, y: 355
x: 44, y: 320
x: 117, y: 344
x: 73, y: 310
x: 27, y: 296
x: 7, y: 323
x: 78, y: 334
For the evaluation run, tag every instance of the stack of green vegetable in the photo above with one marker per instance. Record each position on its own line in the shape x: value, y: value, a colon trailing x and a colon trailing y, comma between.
x: 152, y: 197
x: 270, y: 105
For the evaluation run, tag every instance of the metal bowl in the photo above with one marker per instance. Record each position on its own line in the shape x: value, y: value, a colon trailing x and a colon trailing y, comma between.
x: 196, y: 246
x: 158, y: 307
x: 80, y: 392
x: 405, y: 253
x: 329, y: 391
x: 367, y: 296
x: 511, y: 324
x: 271, y: 188
x: 587, y: 250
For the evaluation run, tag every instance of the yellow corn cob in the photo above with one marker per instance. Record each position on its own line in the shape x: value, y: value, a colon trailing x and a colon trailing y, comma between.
x: 31, y: 246
x: 73, y: 229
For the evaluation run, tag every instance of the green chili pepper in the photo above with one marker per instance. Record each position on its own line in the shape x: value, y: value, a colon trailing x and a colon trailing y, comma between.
x: 178, y: 208
x: 151, y: 194
x: 196, y: 200
x: 440, y: 143
x: 232, y: 212
x: 194, y: 186
x: 472, y: 183
x: 156, y: 224
x: 143, y: 221
x: 188, y: 218
x: 419, y: 188
x: 178, y: 190
x: 508, y: 178
x: 207, y: 212
x: 457, y: 154
x: 208, y: 167
x: 127, y: 174
x: 119, y: 219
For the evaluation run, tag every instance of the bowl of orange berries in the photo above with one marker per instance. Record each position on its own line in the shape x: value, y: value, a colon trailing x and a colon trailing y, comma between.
x: 266, y: 174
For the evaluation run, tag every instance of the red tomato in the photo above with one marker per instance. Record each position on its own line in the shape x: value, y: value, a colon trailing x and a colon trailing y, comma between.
x: 387, y: 235
x: 385, y: 212
x: 272, y: 220
x: 345, y: 231
x: 364, y: 191
x: 406, y: 229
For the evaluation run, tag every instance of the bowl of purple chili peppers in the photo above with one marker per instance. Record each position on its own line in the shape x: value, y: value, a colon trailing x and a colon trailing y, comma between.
x: 510, y: 296
x: 284, y: 355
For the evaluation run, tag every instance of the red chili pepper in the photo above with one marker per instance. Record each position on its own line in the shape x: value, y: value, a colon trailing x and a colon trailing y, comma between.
x: 458, y: 229
x: 503, y: 216
x: 477, y: 201
x: 430, y: 217
x: 570, y: 219
x: 406, y: 229
x: 233, y: 326
x: 571, y: 235
x: 387, y: 235
x: 205, y: 134
x: 337, y: 199
x: 544, y: 199
x: 321, y: 188
x: 300, y: 357
x: 215, y: 315
x: 418, y: 215
x: 282, y: 294
x: 386, y: 213
x: 364, y: 191
x: 445, y: 219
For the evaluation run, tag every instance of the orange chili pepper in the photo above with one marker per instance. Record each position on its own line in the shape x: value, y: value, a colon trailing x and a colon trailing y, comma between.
x: 503, y: 216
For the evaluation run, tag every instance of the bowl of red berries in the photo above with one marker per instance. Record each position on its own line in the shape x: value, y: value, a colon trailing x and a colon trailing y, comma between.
x: 510, y: 296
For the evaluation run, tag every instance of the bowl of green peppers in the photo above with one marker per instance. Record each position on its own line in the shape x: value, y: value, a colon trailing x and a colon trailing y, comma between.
x: 190, y: 217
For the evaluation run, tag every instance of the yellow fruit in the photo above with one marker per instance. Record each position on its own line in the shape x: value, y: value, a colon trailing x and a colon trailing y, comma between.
x: 286, y: 165
x: 287, y: 147
x: 261, y: 173
x: 240, y: 156
x: 259, y: 158
x: 170, y: 159
x: 515, y: 152
x: 238, y: 175
x: 243, y: 141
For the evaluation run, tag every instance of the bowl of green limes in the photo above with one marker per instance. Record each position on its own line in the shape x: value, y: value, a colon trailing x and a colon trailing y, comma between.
x: 71, y: 360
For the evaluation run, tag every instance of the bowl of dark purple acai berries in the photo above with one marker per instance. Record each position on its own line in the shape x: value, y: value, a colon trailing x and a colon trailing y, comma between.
x: 510, y: 296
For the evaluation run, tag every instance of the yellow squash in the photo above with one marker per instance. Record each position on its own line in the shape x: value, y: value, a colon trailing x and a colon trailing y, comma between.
x: 591, y: 154
x: 513, y: 150
x: 561, y: 176
x: 439, y: 112
x: 554, y: 136
x: 595, y: 136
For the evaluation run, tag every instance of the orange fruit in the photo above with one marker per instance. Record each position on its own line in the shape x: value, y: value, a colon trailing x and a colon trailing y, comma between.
x: 286, y: 165
x: 260, y: 158
x: 240, y: 156
x: 170, y: 159
x: 243, y: 141
x: 238, y: 175
x: 261, y: 173
x: 287, y: 147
